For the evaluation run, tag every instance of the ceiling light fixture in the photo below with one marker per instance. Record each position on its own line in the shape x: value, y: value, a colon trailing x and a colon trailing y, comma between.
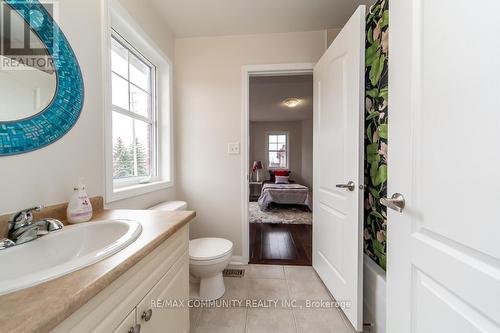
x: 291, y: 102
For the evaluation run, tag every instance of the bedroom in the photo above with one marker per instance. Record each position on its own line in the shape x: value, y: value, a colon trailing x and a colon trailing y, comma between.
x: 281, y: 170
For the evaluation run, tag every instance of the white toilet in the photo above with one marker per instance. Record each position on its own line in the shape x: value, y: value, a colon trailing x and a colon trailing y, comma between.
x: 171, y: 205
x: 208, y: 257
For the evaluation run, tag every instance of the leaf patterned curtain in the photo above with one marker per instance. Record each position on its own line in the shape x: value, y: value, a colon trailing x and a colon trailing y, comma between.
x: 376, y: 112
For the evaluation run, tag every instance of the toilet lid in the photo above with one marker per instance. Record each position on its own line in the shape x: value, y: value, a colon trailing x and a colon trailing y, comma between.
x: 209, y: 248
x: 170, y: 206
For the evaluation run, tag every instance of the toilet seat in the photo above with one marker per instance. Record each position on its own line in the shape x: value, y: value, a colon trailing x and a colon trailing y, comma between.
x: 209, y: 249
x: 213, y: 262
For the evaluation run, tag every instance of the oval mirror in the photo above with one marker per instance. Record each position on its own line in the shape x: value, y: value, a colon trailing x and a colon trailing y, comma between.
x: 27, y: 77
x: 41, y: 85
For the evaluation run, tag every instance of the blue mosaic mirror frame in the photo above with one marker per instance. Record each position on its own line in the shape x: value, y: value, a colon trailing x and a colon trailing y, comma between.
x: 53, y: 122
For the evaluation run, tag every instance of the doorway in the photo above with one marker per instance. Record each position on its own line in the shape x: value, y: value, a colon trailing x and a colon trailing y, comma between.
x: 280, y: 156
x: 277, y: 142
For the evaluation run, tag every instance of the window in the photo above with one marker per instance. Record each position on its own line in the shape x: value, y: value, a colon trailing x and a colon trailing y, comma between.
x: 138, y: 121
x: 134, y: 114
x: 277, y: 147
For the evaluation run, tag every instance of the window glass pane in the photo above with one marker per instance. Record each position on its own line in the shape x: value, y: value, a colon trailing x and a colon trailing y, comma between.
x: 123, y: 159
x: 273, y: 160
x: 283, y: 161
x: 140, y: 101
x: 273, y: 146
x: 132, y: 147
x: 277, y: 159
x: 273, y: 138
x: 282, y: 139
x: 140, y: 73
x: 119, y: 58
x: 119, y: 89
x: 143, y: 148
x: 282, y: 147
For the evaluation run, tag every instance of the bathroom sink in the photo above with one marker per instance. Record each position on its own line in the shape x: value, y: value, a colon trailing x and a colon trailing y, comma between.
x: 64, y: 251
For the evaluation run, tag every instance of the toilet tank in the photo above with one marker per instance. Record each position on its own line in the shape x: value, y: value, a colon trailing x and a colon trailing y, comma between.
x: 170, y: 206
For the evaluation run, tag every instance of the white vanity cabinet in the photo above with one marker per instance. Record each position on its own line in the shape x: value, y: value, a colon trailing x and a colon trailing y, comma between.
x: 152, y: 296
x: 129, y: 325
x: 169, y: 317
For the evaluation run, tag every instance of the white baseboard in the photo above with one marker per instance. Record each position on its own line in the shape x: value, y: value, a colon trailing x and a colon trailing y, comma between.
x: 237, y: 260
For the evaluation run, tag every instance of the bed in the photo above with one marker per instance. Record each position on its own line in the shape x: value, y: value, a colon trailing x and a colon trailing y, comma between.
x: 291, y: 193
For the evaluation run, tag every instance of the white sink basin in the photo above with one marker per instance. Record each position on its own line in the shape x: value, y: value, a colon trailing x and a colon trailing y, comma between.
x: 63, y: 251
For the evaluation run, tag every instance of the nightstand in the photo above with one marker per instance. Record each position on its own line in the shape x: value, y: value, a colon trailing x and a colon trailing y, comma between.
x: 255, y: 190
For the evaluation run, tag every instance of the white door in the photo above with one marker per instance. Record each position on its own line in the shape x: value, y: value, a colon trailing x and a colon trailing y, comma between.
x: 443, y: 266
x: 338, y: 160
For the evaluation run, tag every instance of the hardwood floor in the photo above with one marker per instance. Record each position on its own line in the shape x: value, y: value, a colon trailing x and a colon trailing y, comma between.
x: 281, y: 244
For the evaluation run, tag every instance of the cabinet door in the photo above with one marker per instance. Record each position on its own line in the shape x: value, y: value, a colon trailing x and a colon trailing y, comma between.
x: 165, y: 307
x: 128, y: 325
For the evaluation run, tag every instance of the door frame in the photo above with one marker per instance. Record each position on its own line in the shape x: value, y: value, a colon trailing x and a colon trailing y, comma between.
x: 247, y: 72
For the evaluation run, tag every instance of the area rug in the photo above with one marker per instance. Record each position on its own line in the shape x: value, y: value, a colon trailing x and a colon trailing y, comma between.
x: 285, y: 215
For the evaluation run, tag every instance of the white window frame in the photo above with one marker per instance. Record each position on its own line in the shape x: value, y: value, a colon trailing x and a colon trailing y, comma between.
x: 133, y: 181
x: 287, y: 134
x: 122, y: 26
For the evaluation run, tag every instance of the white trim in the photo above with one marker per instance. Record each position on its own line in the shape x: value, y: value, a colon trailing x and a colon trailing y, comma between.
x: 133, y: 115
x: 106, y: 89
x: 238, y: 260
x: 247, y: 72
x: 138, y: 189
x: 114, y: 15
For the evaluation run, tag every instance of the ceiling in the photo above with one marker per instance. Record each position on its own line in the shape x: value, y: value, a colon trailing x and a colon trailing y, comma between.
x: 200, y: 18
x: 268, y: 93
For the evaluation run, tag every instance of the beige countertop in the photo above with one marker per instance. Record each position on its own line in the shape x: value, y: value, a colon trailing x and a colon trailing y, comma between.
x: 42, y: 307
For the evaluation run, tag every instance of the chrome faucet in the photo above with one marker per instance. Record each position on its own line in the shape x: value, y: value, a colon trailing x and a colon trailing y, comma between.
x: 23, y: 229
x: 5, y: 243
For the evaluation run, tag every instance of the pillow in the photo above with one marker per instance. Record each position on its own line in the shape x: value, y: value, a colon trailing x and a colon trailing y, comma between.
x: 281, y: 173
x: 273, y: 173
x: 282, y: 180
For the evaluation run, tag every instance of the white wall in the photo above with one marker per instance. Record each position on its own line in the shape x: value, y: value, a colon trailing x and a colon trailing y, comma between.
x: 208, y: 110
x: 330, y: 35
x: 298, y: 146
x: 47, y: 176
x: 152, y: 23
x: 307, y: 152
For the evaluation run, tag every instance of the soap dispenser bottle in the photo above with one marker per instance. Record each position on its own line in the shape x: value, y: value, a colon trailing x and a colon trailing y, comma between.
x: 79, y: 208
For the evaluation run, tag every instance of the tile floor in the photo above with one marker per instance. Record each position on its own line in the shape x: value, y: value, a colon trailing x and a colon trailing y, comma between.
x: 270, y: 282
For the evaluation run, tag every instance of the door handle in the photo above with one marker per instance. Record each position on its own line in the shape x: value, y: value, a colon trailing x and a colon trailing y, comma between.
x: 350, y: 186
x: 396, y: 202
